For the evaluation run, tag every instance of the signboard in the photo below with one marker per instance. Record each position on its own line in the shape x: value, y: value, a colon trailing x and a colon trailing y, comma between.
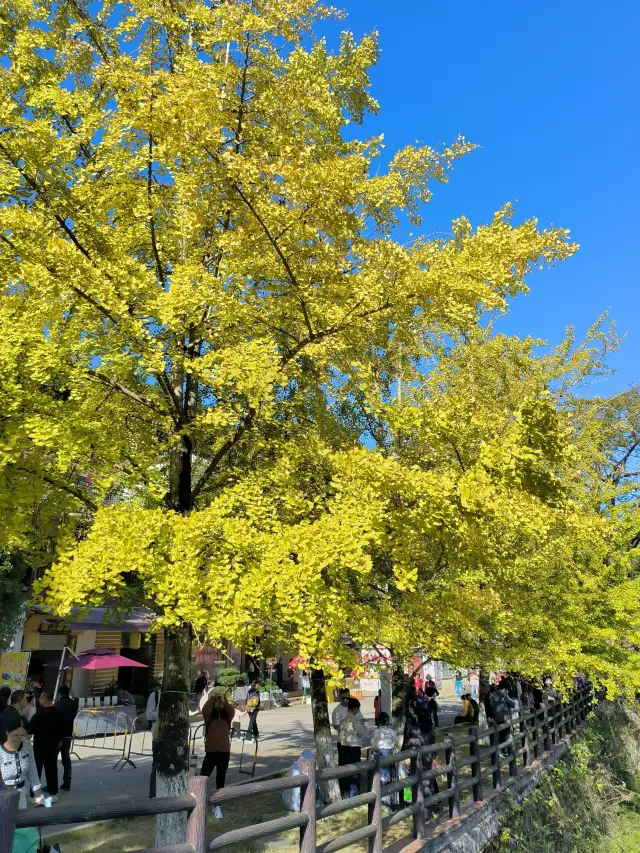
x: 204, y: 656
x: 13, y: 669
x: 49, y: 626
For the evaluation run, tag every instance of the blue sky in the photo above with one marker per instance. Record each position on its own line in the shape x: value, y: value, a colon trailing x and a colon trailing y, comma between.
x: 551, y: 91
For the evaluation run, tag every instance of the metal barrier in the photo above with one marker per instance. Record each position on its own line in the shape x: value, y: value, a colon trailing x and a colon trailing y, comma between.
x: 99, y: 729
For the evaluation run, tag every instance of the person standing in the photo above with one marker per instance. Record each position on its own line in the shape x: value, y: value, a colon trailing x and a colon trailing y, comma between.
x: 459, y: 685
x: 5, y: 697
x: 153, y: 703
x: 200, y: 684
x: 11, y: 717
x: 431, y: 691
x: 502, y: 707
x: 352, y: 735
x: 17, y: 766
x: 339, y: 712
x: 218, y: 715
x: 68, y: 708
x: 46, y: 728
x: 384, y: 742
x: 253, y: 707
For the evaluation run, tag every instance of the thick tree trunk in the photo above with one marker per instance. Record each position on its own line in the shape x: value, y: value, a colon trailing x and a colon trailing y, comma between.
x: 398, y: 711
x: 330, y: 791
x: 172, y: 763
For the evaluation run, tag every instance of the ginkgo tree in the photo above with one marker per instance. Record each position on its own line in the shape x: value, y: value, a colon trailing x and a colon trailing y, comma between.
x: 195, y: 257
x: 514, y: 510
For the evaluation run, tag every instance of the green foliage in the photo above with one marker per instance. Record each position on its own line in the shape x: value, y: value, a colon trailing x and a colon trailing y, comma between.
x: 584, y: 802
x: 229, y: 678
x: 11, y: 599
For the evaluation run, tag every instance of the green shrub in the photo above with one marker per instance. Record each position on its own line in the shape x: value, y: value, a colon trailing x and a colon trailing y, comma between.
x: 579, y: 806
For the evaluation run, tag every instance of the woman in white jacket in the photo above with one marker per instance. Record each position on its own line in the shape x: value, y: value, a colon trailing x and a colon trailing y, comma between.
x: 352, y: 736
x: 18, y: 767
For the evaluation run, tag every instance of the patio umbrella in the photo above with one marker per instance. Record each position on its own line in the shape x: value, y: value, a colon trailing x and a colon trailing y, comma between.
x: 99, y: 659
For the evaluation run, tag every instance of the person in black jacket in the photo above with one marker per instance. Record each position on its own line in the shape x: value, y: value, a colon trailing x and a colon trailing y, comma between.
x: 46, y: 728
x: 5, y: 696
x: 68, y: 708
x: 11, y: 717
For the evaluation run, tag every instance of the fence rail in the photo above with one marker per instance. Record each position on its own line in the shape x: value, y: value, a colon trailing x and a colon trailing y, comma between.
x: 467, y: 764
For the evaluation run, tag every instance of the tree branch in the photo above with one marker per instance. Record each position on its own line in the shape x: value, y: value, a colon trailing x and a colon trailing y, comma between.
x: 58, y: 485
x: 152, y: 224
x: 107, y: 381
x: 244, y: 425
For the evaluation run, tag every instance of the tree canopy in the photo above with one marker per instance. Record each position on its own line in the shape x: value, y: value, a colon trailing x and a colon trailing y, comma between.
x: 233, y: 390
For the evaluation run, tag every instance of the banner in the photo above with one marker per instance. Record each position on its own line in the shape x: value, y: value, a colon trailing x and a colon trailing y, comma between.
x: 204, y: 656
x: 13, y: 669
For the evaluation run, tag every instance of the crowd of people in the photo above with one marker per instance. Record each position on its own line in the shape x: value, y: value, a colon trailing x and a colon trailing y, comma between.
x: 35, y: 733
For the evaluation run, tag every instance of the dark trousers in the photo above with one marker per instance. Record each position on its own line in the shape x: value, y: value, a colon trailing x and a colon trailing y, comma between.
x: 155, y: 746
x: 433, y: 710
x: 350, y: 786
x: 219, y: 761
x: 252, y: 728
x: 48, y: 759
x: 65, y: 757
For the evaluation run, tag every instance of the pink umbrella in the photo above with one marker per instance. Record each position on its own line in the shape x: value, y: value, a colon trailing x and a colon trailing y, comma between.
x: 99, y: 659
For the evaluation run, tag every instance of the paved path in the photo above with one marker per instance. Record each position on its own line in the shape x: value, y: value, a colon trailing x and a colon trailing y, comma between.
x: 284, y: 734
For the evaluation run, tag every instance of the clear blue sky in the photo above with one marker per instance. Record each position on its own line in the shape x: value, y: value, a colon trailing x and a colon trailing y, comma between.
x: 551, y: 91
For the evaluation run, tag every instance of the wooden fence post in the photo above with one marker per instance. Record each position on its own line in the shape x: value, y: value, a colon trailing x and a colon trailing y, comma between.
x: 9, y: 801
x: 417, y: 796
x: 524, y: 741
x: 545, y: 728
x: 476, y: 770
x: 534, y: 735
x: 197, y: 820
x: 513, y: 758
x: 494, y: 740
x: 452, y: 776
x: 375, y: 808
x: 308, y: 806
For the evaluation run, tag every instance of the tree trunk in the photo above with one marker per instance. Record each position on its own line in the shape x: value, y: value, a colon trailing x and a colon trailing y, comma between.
x: 330, y: 791
x: 398, y: 711
x: 172, y: 763
x: 483, y: 684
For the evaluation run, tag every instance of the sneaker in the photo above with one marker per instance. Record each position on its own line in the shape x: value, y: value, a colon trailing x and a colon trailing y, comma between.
x: 217, y: 812
x: 54, y: 798
x: 65, y: 787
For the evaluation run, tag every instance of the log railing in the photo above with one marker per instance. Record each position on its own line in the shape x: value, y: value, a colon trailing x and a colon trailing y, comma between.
x: 469, y: 766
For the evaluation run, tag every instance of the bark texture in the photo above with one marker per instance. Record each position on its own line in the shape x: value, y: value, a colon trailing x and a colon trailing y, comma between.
x: 325, y: 757
x: 172, y: 764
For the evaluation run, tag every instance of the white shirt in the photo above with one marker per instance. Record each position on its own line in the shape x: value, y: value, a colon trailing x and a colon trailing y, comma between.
x: 352, y: 731
x: 339, y: 713
x: 152, y: 706
x: 384, y: 738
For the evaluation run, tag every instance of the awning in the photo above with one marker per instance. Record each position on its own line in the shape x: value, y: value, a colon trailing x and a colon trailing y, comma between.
x: 138, y: 621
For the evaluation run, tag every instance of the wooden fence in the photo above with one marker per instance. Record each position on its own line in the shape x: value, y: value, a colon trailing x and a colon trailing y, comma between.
x: 470, y: 763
